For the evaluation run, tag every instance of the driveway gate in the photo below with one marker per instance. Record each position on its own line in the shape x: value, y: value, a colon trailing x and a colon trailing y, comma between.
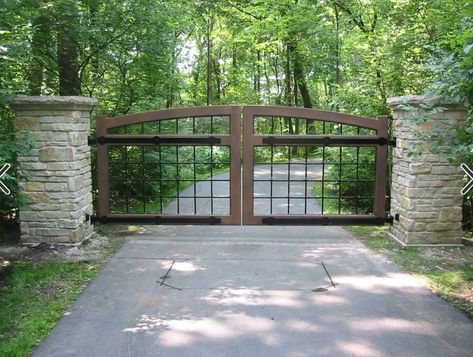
x: 184, y: 166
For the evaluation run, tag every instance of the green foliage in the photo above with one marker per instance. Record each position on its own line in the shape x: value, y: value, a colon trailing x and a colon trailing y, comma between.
x: 346, y: 56
x: 142, y: 54
x: 9, y: 148
x: 351, y: 176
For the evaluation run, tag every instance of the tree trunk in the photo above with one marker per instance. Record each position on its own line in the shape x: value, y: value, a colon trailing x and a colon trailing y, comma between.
x: 67, y: 49
x: 337, y: 55
x: 287, y: 79
x: 218, y: 81
x: 209, y: 58
x: 39, y: 43
x: 258, y: 74
x: 300, y: 80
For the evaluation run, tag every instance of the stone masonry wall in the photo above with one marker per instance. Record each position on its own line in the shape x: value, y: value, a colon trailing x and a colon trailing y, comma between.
x: 59, y: 187
x: 425, y: 187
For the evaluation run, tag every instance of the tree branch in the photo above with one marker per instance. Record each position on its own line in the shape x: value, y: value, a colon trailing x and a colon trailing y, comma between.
x: 243, y: 10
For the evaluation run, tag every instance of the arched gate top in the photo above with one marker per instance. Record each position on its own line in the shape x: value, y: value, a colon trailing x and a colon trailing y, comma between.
x: 231, y: 110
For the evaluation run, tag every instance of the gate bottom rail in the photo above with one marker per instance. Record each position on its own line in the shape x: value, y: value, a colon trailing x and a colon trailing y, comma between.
x: 157, y: 220
x: 327, y: 220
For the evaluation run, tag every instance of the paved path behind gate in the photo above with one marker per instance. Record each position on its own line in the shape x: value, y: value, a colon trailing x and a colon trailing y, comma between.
x: 295, y: 180
x: 253, y: 291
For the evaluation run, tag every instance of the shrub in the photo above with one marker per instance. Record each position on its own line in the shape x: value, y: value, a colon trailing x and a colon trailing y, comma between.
x: 10, y: 146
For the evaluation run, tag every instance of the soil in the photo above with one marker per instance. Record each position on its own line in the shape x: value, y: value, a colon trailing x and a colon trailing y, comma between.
x: 93, y: 249
x: 456, y: 255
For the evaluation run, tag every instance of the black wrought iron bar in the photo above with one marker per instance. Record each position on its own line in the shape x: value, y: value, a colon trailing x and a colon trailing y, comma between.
x: 177, y: 178
x: 323, y: 178
x: 327, y: 141
x: 272, y: 169
x: 305, y: 180
x: 302, y: 197
x: 325, y: 220
x: 158, y: 140
x: 339, y: 179
x: 271, y: 180
x: 143, y: 173
x: 332, y: 181
x: 195, y: 179
x: 151, y: 197
x: 211, y: 180
x: 171, y: 180
x: 160, y: 179
x: 357, y: 201
x: 150, y: 219
x: 182, y: 163
x: 126, y: 171
x: 288, y: 179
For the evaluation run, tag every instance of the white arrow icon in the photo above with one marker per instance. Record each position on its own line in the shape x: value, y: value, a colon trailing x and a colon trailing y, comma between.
x: 469, y: 185
x: 3, y: 171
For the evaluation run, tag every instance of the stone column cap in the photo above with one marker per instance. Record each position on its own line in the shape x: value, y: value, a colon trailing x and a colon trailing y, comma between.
x: 63, y: 102
x: 418, y: 100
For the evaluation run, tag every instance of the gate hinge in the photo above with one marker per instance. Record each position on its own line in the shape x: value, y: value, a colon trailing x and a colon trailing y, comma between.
x: 91, y: 141
x: 91, y: 218
x: 94, y: 141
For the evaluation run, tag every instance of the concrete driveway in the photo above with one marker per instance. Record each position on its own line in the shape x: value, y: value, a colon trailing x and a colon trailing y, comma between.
x: 255, y: 291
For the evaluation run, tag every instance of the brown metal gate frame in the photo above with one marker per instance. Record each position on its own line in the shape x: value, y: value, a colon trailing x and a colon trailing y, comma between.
x: 104, y: 140
x: 238, y: 205
x: 250, y: 140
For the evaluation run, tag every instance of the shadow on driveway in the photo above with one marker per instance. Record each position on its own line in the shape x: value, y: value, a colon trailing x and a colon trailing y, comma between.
x: 255, y: 291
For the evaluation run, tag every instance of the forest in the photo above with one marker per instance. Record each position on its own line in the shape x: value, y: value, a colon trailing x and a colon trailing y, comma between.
x: 137, y: 55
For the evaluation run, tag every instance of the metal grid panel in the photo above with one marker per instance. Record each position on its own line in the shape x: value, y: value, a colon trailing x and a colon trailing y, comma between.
x: 306, y: 180
x: 301, y: 166
x: 169, y: 179
x: 177, y: 177
x: 305, y: 167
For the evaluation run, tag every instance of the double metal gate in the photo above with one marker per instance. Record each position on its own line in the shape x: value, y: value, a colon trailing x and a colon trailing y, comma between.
x: 242, y: 165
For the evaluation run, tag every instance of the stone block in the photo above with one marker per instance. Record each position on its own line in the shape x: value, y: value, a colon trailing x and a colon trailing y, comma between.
x: 61, y: 136
x: 77, y: 139
x: 47, y: 119
x: 76, y: 183
x: 37, y: 197
x: 56, y: 186
x: 444, y: 170
x: 34, y: 186
x: 407, y: 203
x: 420, y: 168
x: 53, y: 214
x: 31, y: 123
x: 27, y: 216
x: 440, y: 226
x: 55, y: 154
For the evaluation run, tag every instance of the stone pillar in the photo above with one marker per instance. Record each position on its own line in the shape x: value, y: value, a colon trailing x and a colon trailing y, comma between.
x: 59, y: 186
x: 425, y: 194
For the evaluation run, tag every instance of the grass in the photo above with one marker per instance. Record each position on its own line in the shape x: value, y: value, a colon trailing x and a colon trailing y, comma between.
x: 34, y: 296
x: 32, y: 299
x: 448, y: 278
x: 331, y: 205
